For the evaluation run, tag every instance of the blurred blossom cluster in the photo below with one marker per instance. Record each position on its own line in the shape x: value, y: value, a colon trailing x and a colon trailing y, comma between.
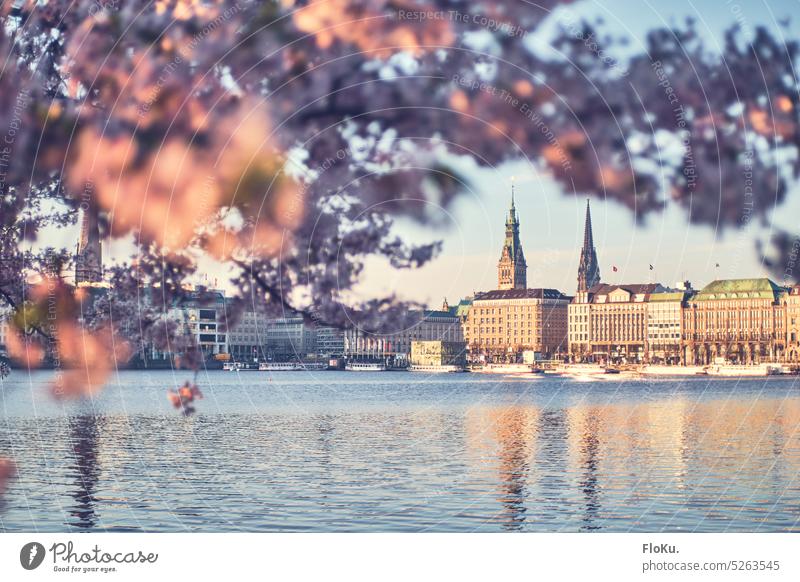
x: 285, y: 138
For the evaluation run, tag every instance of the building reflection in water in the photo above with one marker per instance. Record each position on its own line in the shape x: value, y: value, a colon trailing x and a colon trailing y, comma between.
x: 513, y: 430
x: 551, y: 462
x: 589, y: 452
x: 502, y: 444
x: 83, y: 434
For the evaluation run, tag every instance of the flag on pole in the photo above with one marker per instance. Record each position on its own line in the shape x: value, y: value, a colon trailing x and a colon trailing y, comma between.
x: 614, y: 268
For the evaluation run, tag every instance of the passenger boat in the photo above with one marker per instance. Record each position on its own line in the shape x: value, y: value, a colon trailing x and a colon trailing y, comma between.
x: 744, y: 371
x: 365, y: 367
x: 505, y: 369
x: 290, y: 366
x: 663, y: 370
x: 594, y: 372
x: 446, y: 368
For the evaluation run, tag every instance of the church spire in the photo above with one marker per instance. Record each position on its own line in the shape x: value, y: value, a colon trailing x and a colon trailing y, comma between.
x: 588, y: 268
x: 512, y: 269
x: 89, y: 257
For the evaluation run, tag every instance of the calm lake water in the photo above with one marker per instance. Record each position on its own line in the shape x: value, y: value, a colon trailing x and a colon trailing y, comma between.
x: 338, y: 451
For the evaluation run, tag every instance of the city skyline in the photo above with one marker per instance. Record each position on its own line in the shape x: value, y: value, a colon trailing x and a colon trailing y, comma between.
x: 551, y: 232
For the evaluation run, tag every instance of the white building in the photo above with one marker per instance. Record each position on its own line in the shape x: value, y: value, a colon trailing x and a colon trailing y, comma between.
x: 664, y: 326
x: 432, y: 325
x: 330, y: 341
x: 205, y: 320
x: 206, y: 323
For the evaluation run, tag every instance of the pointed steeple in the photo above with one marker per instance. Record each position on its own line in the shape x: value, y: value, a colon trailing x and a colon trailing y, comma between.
x: 512, y: 211
x: 89, y: 257
x: 588, y: 239
x: 512, y: 269
x: 588, y: 268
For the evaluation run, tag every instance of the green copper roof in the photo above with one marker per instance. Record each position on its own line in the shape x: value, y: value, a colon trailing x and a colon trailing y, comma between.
x: 462, y: 308
x: 671, y: 296
x: 761, y: 288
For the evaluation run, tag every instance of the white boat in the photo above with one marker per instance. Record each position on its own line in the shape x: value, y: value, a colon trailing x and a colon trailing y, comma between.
x: 505, y: 369
x: 756, y: 370
x: 588, y: 372
x: 233, y: 366
x: 279, y: 366
x: 582, y: 369
x: 436, y: 369
x: 290, y: 366
x: 662, y: 370
x: 315, y: 366
x: 365, y: 367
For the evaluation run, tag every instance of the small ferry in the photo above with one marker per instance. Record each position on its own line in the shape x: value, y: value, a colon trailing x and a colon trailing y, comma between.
x: 505, y: 369
x: 594, y: 372
x: 234, y: 366
x: 735, y: 370
x: 664, y: 370
x: 445, y: 368
x: 290, y: 366
x: 365, y: 367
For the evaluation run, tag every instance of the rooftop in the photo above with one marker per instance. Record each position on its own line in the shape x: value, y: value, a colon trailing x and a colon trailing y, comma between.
x: 521, y: 294
x: 633, y: 288
x: 668, y: 296
x: 437, y: 313
x: 761, y: 288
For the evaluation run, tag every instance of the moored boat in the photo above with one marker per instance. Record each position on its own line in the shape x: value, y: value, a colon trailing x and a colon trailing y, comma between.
x: 735, y: 370
x: 237, y: 367
x: 662, y: 370
x: 365, y: 367
x: 505, y: 369
x: 436, y: 369
x: 290, y: 366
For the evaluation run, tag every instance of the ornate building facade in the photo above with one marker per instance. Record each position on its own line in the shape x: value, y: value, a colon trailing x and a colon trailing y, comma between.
x: 665, y: 326
x: 618, y: 321
x: 742, y: 321
x: 509, y: 321
x: 791, y: 302
x: 512, y: 271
